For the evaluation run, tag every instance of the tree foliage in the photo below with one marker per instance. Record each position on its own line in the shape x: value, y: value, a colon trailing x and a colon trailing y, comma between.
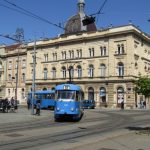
x: 142, y: 85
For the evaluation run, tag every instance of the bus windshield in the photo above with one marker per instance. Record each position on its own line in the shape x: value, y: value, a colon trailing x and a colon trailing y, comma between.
x: 64, y: 94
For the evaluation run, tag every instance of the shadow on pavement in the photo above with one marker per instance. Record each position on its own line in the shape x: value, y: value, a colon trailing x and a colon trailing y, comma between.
x: 138, y: 128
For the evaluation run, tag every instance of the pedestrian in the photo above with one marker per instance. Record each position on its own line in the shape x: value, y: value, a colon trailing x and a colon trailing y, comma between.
x: 144, y: 104
x: 122, y: 104
x: 38, y: 107
x: 7, y: 104
x: 28, y: 103
x: 3, y: 106
x: 12, y: 101
x: 16, y: 105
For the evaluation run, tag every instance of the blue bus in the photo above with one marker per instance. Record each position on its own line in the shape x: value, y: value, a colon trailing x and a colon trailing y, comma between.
x: 46, y: 97
x: 68, y: 102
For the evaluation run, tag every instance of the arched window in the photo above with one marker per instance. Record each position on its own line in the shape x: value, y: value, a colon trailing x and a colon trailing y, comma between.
x: 91, y: 71
x: 120, y: 68
x: 53, y: 72
x: 64, y: 72
x: 53, y: 88
x: 9, y: 77
x: 90, y: 93
x: 120, y: 95
x: 102, y: 70
x: 45, y: 73
x: 102, y: 94
x: 44, y: 89
x: 79, y: 70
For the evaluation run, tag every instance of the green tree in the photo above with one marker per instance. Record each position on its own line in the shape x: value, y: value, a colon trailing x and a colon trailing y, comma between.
x: 142, y: 85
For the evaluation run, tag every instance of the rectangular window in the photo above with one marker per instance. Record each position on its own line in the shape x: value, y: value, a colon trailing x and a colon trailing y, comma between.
x: 91, y: 52
x: 54, y: 56
x: 63, y: 55
x: 46, y: 57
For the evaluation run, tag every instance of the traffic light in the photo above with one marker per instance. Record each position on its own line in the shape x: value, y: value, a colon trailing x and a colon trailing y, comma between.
x: 88, y: 20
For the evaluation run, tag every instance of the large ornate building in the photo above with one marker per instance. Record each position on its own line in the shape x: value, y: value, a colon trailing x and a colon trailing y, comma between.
x: 103, y: 62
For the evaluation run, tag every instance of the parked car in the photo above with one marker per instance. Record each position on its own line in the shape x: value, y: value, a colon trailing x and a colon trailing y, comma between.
x: 88, y: 104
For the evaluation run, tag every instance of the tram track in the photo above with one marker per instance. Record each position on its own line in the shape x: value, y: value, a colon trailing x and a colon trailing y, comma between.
x: 44, y: 123
x: 63, y: 136
x: 115, y: 122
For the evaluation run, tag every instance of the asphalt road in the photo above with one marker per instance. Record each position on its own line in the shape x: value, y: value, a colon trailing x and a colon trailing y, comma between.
x: 97, y: 130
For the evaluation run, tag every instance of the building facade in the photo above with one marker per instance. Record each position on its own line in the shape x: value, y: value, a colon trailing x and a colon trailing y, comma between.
x: 2, y: 71
x: 103, y: 62
x: 15, y: 72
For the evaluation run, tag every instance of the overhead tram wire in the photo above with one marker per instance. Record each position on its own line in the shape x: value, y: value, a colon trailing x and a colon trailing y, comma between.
x: 99, y: 12
x: 90, y: 19
x: 29, y: 13
x: 16, y: 10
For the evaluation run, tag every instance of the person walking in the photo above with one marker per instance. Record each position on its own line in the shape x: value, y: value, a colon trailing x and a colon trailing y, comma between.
x: 28, y: 104
x: 16, y: 105
x: 122, y: 104
x: 6, y: 104
x: 38, y: 107
x: 144, y: 104
x: 12, y: 101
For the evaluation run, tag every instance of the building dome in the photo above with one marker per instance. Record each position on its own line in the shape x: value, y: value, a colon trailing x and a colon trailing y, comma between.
x: 74, y: 24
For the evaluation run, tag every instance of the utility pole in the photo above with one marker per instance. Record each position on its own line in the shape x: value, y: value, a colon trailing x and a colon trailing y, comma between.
x: 33, y: 78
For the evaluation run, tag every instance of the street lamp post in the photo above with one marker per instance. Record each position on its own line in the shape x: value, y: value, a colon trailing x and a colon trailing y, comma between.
x: 70, y: 68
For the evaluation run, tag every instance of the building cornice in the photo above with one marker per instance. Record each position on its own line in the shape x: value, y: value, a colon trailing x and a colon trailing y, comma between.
x: 84, y: 36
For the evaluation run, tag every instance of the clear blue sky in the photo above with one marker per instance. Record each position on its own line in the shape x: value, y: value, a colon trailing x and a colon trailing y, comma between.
x: 115, y: 12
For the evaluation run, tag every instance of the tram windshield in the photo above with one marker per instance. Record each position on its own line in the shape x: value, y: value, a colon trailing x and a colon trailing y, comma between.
x: 65, y: 94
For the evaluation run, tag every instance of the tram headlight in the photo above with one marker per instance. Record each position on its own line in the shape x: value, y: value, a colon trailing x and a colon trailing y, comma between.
x: 58, y: 109
x: 72, y: 109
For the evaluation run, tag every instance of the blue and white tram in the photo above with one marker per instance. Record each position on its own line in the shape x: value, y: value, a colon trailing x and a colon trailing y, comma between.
x: 46, y: 97
x: 68, y: 102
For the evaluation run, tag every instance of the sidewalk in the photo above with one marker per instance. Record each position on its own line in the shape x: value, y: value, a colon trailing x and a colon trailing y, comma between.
x: 23, y: 114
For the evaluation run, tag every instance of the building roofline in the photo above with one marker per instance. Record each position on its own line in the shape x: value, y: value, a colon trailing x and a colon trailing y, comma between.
x: 130, y: 28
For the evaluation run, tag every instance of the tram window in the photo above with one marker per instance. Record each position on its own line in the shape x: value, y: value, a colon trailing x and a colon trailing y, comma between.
x: 52, y: 96
x: 44, y: 96
x: 77, y: 96
x: 36, y: 96
x: 66, y: 94
x: 71, y: 95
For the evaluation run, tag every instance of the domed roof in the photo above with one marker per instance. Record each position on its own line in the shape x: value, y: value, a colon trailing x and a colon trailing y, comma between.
x: 74, y: 24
